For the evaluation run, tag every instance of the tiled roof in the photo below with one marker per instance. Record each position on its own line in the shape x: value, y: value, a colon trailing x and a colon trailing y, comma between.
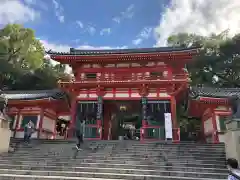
x: 196, y: 92
x: 34, y: 95
x: 123, y: 51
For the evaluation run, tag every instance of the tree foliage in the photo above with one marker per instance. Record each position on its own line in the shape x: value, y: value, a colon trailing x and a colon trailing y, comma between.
x: 23, y: 66
x: 217, y: 64
x: 218, y: 60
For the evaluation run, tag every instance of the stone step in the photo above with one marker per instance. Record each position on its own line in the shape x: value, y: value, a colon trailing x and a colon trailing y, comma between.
x: 133, y: 163
x: 37, y: 177
x: 101, y: 153
x: 119, y: 157
x: 34, y: 177
x: 116, y: 174
x: 44, y: 149
x: 133, y: 146
x: 114, y: 157
x: 114, y: 142
x: 120, y: 167
x: 32, y: 148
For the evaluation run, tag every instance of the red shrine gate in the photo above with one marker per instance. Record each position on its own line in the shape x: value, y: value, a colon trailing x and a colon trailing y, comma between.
x: 153, y: 77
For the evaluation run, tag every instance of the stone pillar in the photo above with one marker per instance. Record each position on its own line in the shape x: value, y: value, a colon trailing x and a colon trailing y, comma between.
x: 5, y: 133
x: 232, y: 139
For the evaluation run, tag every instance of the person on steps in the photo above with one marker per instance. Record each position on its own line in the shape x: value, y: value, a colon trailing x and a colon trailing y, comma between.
x: 233, y: 168
x: 79, y: 134
x: 28, y: 131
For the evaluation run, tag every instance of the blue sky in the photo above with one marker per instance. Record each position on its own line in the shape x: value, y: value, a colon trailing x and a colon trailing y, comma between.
x: 61, y: 24
x: 99, y: 22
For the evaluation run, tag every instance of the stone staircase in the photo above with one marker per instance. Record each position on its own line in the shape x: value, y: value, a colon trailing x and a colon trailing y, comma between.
x: 58, y: 159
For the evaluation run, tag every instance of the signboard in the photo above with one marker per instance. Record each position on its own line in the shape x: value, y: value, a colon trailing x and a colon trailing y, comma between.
x: 144, y: 108
x: 99, y: 108
x: 168, y: 126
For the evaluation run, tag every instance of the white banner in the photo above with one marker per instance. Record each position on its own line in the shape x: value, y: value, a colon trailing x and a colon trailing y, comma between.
x: 168, y: 125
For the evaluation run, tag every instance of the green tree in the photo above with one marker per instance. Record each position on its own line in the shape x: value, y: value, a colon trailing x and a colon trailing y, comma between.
x: 217, y: 65
x: 218, y: 60
x: 20, y: 53
x: 23, y: 66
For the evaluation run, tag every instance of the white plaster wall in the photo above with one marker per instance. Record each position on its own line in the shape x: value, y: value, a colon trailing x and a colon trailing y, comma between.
x: 218, y: 123
x: 221, y: 108
x: 152, y: 95
x: 108, y: 95
x: 221, y: 138
x: 48, y: 124
x: 163, y: 95
x: 232, y: 146
x: 122, y: 95
x: 82, y: 95
x: 135, y: 95
x: 208, y: 126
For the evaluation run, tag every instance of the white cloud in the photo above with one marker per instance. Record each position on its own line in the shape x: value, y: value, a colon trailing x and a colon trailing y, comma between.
x: 144, y: 34
x: 40, y: 4
x: 137, y: 41
x: 198, y: 16
x: 105, y: 31
x: 80, y: 24
x: 65, y: 48
x: 128, y: 13
x: 58, y: 11
x: 15, y: 11
x: 91, y: 30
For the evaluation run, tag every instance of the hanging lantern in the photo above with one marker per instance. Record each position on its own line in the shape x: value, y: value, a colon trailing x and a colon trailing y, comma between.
x: 123, y: 108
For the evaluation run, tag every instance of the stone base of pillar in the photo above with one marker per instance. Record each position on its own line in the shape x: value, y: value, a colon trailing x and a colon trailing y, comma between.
x: 5, y: 135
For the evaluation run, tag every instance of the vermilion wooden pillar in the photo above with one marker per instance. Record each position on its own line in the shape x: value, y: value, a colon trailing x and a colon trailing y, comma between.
x: 41, y: 123
x: 17, y: 122
x: 143, y: 92
x: 214, y: 122
x: 174, y: 118
x: 73, y: 114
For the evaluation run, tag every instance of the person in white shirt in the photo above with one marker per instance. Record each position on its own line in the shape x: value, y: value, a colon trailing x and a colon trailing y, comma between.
x: 232, y: 165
